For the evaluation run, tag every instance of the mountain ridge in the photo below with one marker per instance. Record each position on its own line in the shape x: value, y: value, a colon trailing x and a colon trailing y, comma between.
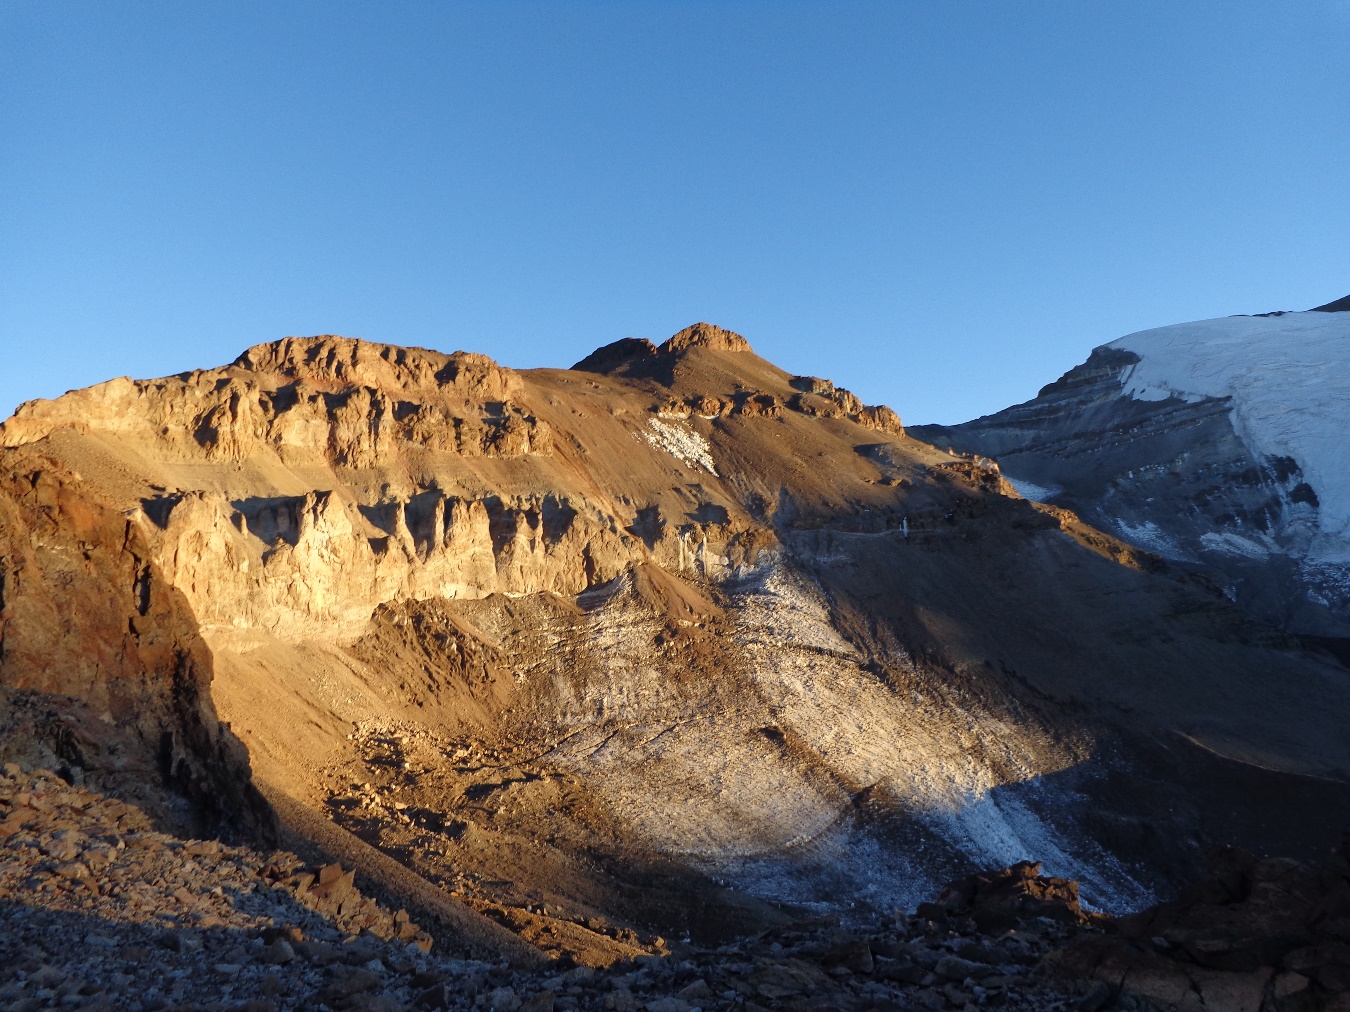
x: 1214, y: 443
x: 674, y: 638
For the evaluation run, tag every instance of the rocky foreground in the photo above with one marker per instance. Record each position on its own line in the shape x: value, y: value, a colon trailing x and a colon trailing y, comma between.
x: 100, y: 911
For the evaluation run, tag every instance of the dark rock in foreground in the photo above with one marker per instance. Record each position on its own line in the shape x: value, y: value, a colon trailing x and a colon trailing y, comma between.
x: 98, y: 911
x: 1266, y: 935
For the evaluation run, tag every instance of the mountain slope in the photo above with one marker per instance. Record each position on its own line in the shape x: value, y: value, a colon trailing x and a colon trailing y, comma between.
x: 674, y: 636
x: 1217, y: 444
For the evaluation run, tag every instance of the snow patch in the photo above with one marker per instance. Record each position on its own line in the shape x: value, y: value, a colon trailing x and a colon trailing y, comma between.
x: 1150, y: 537
x: 1030, y: 490
x: 682, y: 442
x: 1234, y: 544
x: 1329, y: 581
x: 767, y: 793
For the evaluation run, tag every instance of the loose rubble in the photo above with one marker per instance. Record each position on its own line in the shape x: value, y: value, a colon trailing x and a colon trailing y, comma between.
x: 99, y: 911
x: 1257, y: 935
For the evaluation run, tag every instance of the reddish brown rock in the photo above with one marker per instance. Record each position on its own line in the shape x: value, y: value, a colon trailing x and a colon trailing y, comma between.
x: 705, y: 335
x: 102, y: 666
x: 1000, y: 900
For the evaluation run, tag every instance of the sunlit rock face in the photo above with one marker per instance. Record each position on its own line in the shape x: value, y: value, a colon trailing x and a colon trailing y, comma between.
x: 670, y: 631
x: 1218, y: 444
x: 308, y: 401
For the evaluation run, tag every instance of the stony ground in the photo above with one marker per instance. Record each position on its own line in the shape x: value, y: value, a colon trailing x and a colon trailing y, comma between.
x: 97, y: 910
x: 100, y: 911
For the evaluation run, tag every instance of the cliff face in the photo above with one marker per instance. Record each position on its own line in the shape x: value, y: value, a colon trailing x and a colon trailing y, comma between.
x: 595, y: 638
x: 102, y: 662
x: 316, y: 402
x: 1216, y: 444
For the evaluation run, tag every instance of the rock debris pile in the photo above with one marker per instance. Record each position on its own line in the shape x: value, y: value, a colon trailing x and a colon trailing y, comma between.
x: 99, y: 911
x: 1257, y: 935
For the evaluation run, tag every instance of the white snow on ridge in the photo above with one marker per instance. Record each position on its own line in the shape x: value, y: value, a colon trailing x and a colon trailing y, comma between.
x: 1152, y: 538
x: 1289, y: 378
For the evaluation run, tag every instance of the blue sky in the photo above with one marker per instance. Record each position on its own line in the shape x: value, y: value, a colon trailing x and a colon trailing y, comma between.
x: 939, y: 205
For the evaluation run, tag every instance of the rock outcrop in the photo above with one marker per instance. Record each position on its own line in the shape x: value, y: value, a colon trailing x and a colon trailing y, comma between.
x: 328, y: 400
x: 1006, y: 899
x: 705, y: 335
x: 101, y: 658
x: 1257, y: 935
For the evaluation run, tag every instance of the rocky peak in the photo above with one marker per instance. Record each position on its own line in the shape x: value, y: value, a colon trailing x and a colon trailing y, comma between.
x: 705, y: 335
x: 1214, y: 444
x: 1104, y: 365
x: 345, y: 361
x: 632, y: 355
x: 347, y: 401
x: 1339, y: 306
x: 611, y: 356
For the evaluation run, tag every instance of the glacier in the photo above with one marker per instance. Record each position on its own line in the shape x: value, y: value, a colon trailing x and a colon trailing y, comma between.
x: 1287, y: 377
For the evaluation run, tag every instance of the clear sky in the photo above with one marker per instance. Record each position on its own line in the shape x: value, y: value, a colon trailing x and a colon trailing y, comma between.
x: 940, y: 205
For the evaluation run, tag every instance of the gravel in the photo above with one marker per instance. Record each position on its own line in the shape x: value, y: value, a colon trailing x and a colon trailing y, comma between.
x: 99, y: 911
